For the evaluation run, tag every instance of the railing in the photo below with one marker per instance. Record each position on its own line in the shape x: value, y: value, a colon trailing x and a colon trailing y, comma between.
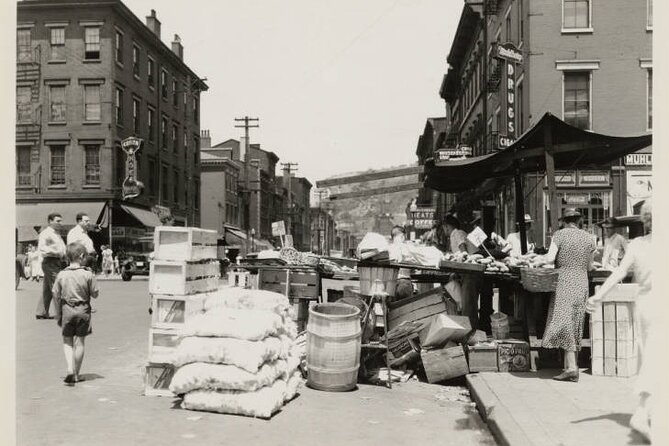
x: 27, y: 54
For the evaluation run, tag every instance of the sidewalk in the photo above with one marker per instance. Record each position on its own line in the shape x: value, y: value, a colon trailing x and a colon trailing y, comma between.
x: 533, y: 409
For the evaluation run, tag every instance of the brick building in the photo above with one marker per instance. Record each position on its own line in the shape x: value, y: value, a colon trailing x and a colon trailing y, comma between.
x: 90, y: 74
x: 299, y: 216
x: 588, y: 62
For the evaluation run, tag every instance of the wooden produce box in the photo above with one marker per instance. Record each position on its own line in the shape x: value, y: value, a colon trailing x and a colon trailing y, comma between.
x: 404, y: 345
x: 183, y: 278
x: 386, y: 275
x: 513, y: 356
x: 171, y: 312
x: 162, y: 345
x: 442, y: 328
x: 157, y: 378
x: 300, y: 312
x: 239, y: 278
x: 184, y: 244
x: 418, y: 308
x: 482, y: 357
x: 445, y: 363
x: 303, y: 283
x: 612, y: 333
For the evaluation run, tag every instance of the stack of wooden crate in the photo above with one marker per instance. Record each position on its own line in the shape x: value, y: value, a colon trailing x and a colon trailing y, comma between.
x: 301, y: 285
x: 184, y: 270
x: 612, y: 333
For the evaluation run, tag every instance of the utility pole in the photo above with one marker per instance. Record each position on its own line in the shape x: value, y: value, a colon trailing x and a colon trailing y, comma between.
x: 248, y: 123
x: 320, y: 193
x: 287, y: 173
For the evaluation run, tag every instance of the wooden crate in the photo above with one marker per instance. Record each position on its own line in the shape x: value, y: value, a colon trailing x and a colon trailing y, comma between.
x: 171, y: 312
x: 157, y: 378
x: 301, y: 312
x: 370, y: 274
x: 612, y: 333
x: 162, y: 344
x: 482, y: 358
x: 443, y: 364
x: 513, y: 356
x: 419, y: 308
x: 185, y: 244
x: 303, y: 283
x: 183, y: 278
x: 239, y: 278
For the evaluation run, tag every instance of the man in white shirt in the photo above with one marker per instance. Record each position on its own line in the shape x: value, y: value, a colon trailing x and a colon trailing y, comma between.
x: 80, y: 234
x: 614, y: 245
x: 52, y: 248
x: 513, y: 239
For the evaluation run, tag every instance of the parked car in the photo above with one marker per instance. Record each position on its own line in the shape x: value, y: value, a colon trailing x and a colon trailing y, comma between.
x: 137, y: 263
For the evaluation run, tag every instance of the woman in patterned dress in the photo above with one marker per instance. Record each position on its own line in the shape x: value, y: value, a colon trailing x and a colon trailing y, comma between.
x: 572, y: 250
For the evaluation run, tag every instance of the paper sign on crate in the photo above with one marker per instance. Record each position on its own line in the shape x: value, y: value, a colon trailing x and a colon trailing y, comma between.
x: 477, y: 236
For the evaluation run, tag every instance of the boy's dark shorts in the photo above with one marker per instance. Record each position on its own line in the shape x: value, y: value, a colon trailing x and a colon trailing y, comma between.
x: 77, y: 320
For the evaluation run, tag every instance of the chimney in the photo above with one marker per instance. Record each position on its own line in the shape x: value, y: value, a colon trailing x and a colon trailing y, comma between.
x: 205, y: 139
x: 177, y: 47
x: 153, y: 23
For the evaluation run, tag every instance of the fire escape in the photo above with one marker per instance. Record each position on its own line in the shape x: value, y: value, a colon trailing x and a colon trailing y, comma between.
x: 29, y: 113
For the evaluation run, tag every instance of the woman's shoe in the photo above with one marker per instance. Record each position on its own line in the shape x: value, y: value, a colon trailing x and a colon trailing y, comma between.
x: 567, y: 375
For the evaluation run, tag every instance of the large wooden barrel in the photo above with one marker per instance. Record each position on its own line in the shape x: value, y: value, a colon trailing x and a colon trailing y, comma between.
x: 333, y: 347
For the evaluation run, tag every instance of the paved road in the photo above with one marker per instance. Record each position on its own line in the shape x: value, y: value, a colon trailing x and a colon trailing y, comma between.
x: 109, y: 409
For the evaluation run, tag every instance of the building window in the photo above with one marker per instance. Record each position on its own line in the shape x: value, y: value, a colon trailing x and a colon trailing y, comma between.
x: 196, y: 150
x: 576, y: 14
x: 120, y: 165
x: 57, y: 43
x: 649, y: 23
x: 119, y: 47
x: 185, y: 97
x: 57, y: 166
x: 23, y: 104
x: 163, y: 132
x: 163, y: 84
x: 507, y: 25
x: 577, y: 99
x: 23, y: 176
x: 92, y: 103
x: 650, y: 99
x: 196, y: 109
x: 521, y: 22
x: 164, y: 183
x: 196, y: 194
x: 118, y: 107
x: 150, y: 72
x: 135, y: 60
x: 175, y: 93
x: 175, y: 138
x: 152, y: 177
x: 92, y: 44
x: 175, y: 185
x: 58, y: 106
x: 185, y: 133
x: 24, y: 45
x: 150, y: 117
x: 135, y: 116
x: 92, y: 164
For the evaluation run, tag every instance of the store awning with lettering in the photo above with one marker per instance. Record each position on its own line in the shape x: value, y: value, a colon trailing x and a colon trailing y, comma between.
x: 572, y: 148
x: 35, y: 214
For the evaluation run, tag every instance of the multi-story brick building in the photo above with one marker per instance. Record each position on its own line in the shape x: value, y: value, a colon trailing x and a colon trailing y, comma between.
x: 299, y: 215
x: 588, y: 62
x: 90, y: 74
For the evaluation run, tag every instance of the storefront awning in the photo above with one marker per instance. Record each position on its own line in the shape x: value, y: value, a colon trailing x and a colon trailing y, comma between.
x: 262, y: 244
x: 145, y: 217
x: 572, y: 148
x: 35, y: 214
x: 234, y: 238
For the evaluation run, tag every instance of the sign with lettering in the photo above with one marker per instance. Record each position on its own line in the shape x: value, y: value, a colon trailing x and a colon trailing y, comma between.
x: 593, y: 179
x: 477, y: 236
x: 639, y: 159
x: 513, y: 356
x: 278, y: 228
x: 509, y: 52
x: 422, y: 217
x: 453, y: 152
x: 510, y: 99
x: 131, y: 187
x: 577, y: 198
x: 565, y: 178
x: 505, y: 141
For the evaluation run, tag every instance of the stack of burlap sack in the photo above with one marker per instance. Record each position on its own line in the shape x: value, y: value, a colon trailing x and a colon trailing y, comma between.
x: 239, y: 356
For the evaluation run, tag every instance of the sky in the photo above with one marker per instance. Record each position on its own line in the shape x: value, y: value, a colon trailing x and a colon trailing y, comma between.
x: 338, y: 85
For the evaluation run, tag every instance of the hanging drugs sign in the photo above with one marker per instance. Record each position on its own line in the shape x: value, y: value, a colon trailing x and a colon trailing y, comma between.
x: 131, y: 187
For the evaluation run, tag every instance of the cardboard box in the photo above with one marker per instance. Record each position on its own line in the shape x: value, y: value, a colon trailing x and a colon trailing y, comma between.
x: 443, y: 364
x: 443, y: 328
x: 513, y: 356
x: 482, y: 357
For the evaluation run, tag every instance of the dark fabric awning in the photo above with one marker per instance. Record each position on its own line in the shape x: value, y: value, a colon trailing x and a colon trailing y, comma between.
x: 572, y: 148
x: 146, y: 217
x: 35, y: 214
x: 234, y: 238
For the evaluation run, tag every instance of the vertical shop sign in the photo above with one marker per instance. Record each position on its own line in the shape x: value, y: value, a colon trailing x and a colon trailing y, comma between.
x: 511, y: 56
x: 131, y: 186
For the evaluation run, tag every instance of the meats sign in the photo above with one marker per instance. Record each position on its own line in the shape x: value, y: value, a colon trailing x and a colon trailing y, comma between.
x: 423, y: 218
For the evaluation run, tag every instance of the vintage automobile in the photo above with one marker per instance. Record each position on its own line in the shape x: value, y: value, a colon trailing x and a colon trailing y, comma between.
x: 137, y: 262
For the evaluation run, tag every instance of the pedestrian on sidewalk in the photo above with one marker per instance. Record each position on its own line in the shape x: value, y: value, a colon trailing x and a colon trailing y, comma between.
x: 107, y: 260
x: 572, y: 250
x: 73, y: 290
x: 52, y: 248
x: 35, y: 260
x: 79, y: 234
x: 638, y: 259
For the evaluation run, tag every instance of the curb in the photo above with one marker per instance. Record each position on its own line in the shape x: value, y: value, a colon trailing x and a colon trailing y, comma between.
x: 500, y: 421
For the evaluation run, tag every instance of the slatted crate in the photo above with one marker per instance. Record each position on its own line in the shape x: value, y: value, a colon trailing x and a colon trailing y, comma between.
x: 172, y: 312
x: 183, y: 278
x: 157, y: 378
x: 612, y: 333
x: 162, y: 345
x: 185, y: 244
x: 302, y: 283
x: 419, y: 308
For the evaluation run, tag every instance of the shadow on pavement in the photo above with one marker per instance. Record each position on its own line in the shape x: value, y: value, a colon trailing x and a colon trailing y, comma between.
x: 89, y: 377
x: 540, y: 374
x: 622, y: 419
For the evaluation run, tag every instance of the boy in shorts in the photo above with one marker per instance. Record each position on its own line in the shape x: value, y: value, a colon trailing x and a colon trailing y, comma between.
x: 72, y: 292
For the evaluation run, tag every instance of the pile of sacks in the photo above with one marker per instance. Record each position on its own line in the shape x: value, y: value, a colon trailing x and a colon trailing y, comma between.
x: 239, y: 356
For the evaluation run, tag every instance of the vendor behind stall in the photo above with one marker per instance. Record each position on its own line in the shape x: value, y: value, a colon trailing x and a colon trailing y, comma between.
x: 513, y: 239
x: 615, y: 245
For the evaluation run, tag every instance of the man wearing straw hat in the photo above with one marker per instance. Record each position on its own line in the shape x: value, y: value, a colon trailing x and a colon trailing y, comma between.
x: 614, y: 245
